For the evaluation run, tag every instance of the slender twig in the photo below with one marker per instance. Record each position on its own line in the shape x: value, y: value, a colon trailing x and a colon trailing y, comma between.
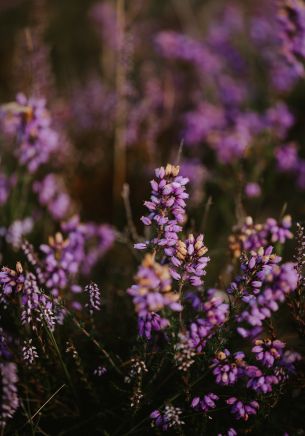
x: 48, y: 400
x: 130, y: 222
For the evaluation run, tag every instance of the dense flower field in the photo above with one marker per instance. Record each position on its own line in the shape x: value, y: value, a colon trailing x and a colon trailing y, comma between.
x: 152, y: 226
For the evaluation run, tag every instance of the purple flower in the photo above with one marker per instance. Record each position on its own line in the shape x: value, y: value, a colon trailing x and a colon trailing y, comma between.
x: 205, y: 403
x: 260, y: 382
x: 188, y: 260
x: 152, y: 291
x: 30, y: 123
x: 227, y: 368
x: 215, y: 312
x: 268, y: 351
x: 263, y: 285
x: 9, y: 399
x: 36, y: 306
x: 253, y: 190
x: 166, y: 205
x: 169, y: 418
x: 151, y: 322
x: 52, y: 194
x: 11, y: 281
x: 242, y: 410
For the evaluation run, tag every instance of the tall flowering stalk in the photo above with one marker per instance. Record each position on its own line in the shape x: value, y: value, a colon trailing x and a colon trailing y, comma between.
x: 166, y: 206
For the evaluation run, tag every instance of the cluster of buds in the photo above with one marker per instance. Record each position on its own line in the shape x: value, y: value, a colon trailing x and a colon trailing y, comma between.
x: 29, y: 352
x: 152, y: 291
x: 184, y: 353
x: 137, y: 369
x: 250, y: 236
x: 188, y: 260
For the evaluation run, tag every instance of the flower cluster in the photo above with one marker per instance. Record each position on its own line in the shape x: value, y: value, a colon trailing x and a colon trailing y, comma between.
x: 213, y: 313
x: 153, y: 291
x: 9, y: 395
x: 205, y: 403
x: 188, y: 260
x: 169, y: 418
x: 242, y: 410
x: 227, y: 368
x: 264, y: 284
x: 250, y: 236
x: 29, y: 121
x: 166, y: 205
x: 291, y: 16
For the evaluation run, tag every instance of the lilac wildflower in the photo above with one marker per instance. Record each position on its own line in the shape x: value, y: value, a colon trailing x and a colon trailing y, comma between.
x: 52, y: 195
x: 151, y: 322
x: 216, y: 312
x: 258, y: 381
x: 205, y: 403
x: 242, y: 410
x: 188, y: 260
x: 253, y: 190
x: 268, y: 351
x: 152, y: 291
x: 36, y: 306
x: 12, y: 281
x: 167, y: 204
x: 31, y: 124
x: 169, y: 418
x: 9, y: 395
x: 227, y: 368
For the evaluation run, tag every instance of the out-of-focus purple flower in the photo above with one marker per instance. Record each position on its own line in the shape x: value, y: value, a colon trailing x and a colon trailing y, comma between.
x: 152, y: 291
x: 6, y: 184
x: 250, y: 236
x: 227, y: 368
x: 17, y: 230
x: 188, y: 260
x: 263, y: 285
x: 29, y: 121
x: 279, y: 119
x: 291, y: 17
x: 268, y: 351
x: 11, y: 281
x: 51, y: 193
x: 151, y: 322
x: 253, y: 190
x: 59, y: 263
x: 9, y: 399
x: 287, y: 157
x: 197, y: 175
x: 206, y: 403
x: 242, y: 410
x: 169, y: 418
